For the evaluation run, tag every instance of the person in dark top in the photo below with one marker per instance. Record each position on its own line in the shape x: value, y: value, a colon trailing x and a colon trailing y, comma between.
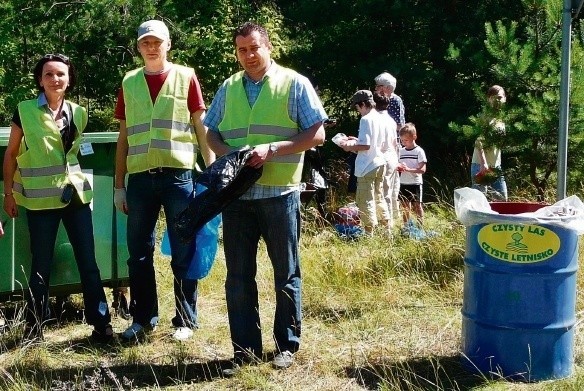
x: 385, y: 85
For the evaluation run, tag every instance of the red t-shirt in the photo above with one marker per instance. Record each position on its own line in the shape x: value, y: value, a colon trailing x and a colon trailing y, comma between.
x: 194, y: 100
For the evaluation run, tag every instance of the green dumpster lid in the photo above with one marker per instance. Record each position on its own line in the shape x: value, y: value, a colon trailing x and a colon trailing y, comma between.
x: 100, y: 137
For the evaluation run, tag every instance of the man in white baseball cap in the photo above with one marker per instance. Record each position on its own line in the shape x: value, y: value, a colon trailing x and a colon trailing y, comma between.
x: 153, y: 28
x: 158, y: 105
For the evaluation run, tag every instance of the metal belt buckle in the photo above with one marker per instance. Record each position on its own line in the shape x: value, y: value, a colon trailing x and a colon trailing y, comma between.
x: 155, y: 170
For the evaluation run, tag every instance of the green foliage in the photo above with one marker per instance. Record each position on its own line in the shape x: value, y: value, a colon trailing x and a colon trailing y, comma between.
x: 435, y: 50
x: 442, y: 65
x: 203, y: 38
x: 525, y: 56
x: 100, y: 38
x: 95, y: 34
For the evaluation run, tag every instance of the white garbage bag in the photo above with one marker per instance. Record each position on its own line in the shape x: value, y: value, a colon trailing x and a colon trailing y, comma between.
x: 471, y: 207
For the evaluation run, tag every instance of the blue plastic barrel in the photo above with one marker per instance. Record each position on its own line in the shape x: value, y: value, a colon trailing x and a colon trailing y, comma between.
x: 519, y: 300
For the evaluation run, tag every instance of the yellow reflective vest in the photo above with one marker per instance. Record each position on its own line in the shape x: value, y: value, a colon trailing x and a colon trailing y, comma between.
x: 43, y: 166
x: 159, y: 134
x: 267, y: 121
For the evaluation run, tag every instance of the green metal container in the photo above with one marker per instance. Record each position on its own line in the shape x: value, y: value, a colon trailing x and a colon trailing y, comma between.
x: 109, y: 226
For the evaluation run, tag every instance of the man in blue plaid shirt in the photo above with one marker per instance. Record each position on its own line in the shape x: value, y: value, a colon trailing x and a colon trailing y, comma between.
x: 278, y: 113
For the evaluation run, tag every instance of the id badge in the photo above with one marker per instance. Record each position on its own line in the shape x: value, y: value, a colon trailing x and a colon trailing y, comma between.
x: 86, y: 149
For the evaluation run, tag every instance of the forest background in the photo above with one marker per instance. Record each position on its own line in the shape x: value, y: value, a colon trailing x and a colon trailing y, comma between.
x: 377, y: 316
x: 444, y: 54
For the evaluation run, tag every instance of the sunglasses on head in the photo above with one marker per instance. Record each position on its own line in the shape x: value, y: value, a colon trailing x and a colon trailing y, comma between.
x: 58, y: 57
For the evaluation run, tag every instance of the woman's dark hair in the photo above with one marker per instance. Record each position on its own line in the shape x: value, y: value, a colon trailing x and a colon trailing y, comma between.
x: 494, y: 90
x: 38, y: 69
x: 381, y: 101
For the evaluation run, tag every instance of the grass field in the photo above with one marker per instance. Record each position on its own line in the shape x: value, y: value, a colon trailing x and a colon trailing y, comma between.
x: 379, y: 314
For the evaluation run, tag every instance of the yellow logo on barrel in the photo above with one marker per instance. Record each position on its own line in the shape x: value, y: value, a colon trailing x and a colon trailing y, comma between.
x: 518, y: 243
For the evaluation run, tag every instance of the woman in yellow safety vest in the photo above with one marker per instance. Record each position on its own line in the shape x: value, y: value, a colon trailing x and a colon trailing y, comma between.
x: 42, y: 174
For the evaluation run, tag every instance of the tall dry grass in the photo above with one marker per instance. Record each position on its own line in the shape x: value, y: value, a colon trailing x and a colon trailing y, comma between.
x: 379, y: 314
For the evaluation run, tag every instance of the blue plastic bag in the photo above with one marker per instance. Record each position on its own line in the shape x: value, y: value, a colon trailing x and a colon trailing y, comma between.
x: 206, y: 243
x: 412, y: 231
x: 348, y: 231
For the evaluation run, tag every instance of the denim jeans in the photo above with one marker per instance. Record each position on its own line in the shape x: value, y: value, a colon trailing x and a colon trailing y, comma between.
x: 499, y: 186
x: 43, y: 226
x: 277, y: 221
x: 146, y: 194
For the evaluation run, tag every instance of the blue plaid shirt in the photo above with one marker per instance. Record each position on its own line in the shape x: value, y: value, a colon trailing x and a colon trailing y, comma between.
x: 304, y: 108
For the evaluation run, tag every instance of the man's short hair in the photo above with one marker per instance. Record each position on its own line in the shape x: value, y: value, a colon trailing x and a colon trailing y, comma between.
x: 249, y: 27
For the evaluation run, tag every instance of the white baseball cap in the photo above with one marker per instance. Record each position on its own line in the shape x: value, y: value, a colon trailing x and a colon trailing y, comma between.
x: 153, y: 28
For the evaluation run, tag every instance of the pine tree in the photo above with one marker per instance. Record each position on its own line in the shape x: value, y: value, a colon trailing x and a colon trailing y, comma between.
x: 527, y: 55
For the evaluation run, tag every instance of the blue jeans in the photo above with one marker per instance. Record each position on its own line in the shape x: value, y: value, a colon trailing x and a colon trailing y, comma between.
x: 43, y: 226
x: 277, y: 221
x: 146, y: 194
x: 500, y: 186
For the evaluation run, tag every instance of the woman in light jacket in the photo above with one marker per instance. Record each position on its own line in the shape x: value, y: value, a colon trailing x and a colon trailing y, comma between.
x: 42, y: 175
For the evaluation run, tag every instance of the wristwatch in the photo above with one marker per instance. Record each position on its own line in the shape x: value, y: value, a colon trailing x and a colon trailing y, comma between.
x: 273, y: 149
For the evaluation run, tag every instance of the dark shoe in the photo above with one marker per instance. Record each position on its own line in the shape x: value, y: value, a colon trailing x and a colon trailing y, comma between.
x: 136, y: 332
x: 283, y: 360
x: 231, y: 370
x: 103, y: 335
x: 240, y: 360
x: 179, y: 321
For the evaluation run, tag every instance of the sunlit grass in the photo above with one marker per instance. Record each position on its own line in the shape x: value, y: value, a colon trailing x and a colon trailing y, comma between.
x: 379, y: 313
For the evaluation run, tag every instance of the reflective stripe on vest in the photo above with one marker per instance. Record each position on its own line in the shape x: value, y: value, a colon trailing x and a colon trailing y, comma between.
x: 45, y: 171
x: 162, y: 144
x: 266, y: 122
x: 159, y: 134
x: 43, y: 193
x: 43, y: 167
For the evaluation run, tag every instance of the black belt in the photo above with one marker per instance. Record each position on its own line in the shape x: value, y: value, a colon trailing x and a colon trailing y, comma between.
x: 160, y: 170
x: 157, y: 170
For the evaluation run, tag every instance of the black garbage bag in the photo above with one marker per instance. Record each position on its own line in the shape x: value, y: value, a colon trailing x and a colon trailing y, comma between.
x: 225, y: 181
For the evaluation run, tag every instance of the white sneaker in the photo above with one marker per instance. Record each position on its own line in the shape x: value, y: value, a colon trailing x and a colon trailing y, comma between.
x: 182, y: 333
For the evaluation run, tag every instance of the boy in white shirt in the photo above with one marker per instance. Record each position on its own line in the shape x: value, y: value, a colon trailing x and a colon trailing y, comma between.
x: 412, y: 164
x: 370, y: 146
